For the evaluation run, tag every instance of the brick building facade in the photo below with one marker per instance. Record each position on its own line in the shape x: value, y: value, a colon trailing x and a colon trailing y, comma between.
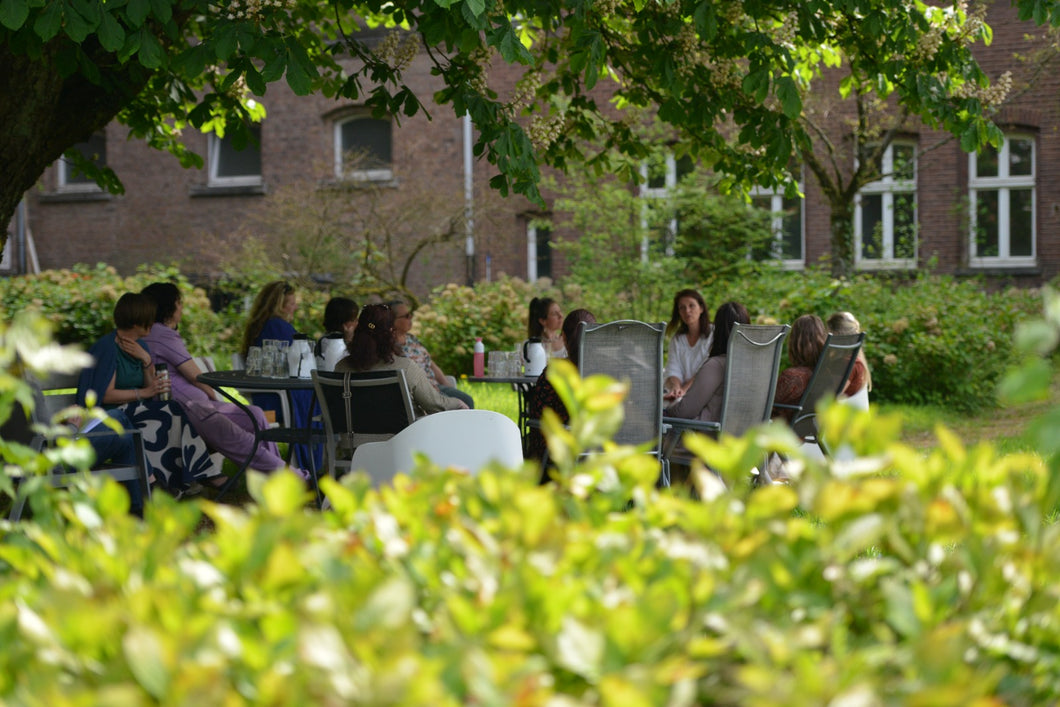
x: 192, y: 216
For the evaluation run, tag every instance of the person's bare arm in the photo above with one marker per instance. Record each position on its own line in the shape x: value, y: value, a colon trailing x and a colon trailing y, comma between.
x: 190, y: 370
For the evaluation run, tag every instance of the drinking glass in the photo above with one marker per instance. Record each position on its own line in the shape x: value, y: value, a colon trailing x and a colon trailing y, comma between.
x: 515, y: 363
x: 254, y: 358
x: 498, y: 364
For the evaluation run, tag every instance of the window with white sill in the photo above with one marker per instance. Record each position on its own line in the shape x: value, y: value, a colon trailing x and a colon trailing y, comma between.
x: 235, y: 165
x: 70, y: 178
x: 363, y: 149
x: 787, y: 244
x: 885, y: 217
x: 1001, y: 185
x: 538, y: 252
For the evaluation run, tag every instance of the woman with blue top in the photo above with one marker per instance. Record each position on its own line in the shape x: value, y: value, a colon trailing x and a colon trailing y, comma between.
x: 124, y: 377
x: 270, y: 318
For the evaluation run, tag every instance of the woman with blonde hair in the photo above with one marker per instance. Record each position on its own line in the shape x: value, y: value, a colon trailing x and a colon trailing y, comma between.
x: 270, y: 315
x: 846, y: 323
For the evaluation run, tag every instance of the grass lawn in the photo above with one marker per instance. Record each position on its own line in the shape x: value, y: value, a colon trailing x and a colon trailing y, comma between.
x: 1006, y: 426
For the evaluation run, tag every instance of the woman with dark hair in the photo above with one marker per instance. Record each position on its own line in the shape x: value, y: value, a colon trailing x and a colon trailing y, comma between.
x: 703, y: 399
x: 543, y: 395
x: 690, y: 343
x: 375, y: 348
x: 340, y: 321
x: 805, y: 343
x: 124, y: 377
x: 544, y: 323
x: 224, y: 426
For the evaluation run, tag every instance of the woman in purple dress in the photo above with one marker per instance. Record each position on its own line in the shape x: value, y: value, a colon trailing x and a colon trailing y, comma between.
x: 224, y: 426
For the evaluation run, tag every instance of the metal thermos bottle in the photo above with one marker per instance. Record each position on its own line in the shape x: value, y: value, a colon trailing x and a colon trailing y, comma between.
x: 162, y: 371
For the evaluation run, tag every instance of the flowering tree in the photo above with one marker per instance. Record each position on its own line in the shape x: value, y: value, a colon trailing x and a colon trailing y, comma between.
x: 729, y: 77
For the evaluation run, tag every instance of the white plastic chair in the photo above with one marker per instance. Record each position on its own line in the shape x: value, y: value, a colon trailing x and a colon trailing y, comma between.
x: 466, y: 439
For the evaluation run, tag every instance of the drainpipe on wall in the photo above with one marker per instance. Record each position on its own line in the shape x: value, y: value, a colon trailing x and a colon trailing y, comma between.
x: 469, y: 203
x: 20, y: 235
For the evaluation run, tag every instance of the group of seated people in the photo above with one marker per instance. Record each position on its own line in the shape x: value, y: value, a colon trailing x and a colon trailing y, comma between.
x: 694, y: 378
x: 187, y: 433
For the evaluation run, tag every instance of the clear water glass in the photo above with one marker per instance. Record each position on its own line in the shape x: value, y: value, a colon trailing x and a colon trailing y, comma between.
x: 254, y: 358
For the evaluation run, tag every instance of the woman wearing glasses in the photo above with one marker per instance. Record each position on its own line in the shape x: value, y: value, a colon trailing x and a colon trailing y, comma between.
x: 413, y: 348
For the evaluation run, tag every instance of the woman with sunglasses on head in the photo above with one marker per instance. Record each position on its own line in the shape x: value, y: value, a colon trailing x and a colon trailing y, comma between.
x: 375, y: 348
x: 413, y: 348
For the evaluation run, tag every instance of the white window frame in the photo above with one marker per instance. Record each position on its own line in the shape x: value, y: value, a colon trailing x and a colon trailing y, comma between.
x: 776, y: 208
x: 887, y: 186
x: 531, y: 252
x: 1003, y: 184
x: 63, y: 175
x: 213, y: 158
x: 647, y: 192
x: 364, y: 175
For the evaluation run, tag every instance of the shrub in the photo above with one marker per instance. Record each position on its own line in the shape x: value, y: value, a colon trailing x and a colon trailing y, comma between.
x: 910, y: 579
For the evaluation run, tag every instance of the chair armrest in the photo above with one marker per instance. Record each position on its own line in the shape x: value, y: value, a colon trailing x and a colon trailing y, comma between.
x: 785, y: 406
x: 680, y: 423
x: 451, y: 381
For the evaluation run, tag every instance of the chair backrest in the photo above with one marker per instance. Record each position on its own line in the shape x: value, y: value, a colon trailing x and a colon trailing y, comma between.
x: 751, y: 369
x: 829, y: 378
x: 630, y: 351
x: 205, y: 363
x: 467, y: 439
x: 368, y: 406
x: 56, y: 392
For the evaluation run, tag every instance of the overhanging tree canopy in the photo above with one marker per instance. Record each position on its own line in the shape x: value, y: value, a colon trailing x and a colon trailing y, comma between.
x: 728, y: 77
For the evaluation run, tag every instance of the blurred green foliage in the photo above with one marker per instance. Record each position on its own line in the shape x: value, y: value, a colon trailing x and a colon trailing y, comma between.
x: 899, y: 578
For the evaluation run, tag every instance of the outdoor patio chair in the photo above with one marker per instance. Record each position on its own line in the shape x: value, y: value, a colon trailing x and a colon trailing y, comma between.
x: 466, y: 439
x: 55, y: 393
x: 632, y: 351
x: 369, y: 406
x: 829, y: 378
x: 751, y: 369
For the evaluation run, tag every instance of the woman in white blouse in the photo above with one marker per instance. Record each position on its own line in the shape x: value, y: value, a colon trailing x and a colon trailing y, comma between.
x: 690, y: 345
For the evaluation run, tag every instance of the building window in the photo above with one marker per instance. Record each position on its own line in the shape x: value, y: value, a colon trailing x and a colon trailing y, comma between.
x: 538, y: 252
x: 659, y: 177
x: 885, y: 220
x: 363, y: 149
x: 233, y: 166
x: 787, y: 244
x: 71, y: 178
x: 1002, y: 196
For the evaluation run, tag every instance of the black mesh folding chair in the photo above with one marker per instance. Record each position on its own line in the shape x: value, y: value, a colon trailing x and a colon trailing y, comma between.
x: 751, y: 366
x: 829, y: 378
x: 369, y: 406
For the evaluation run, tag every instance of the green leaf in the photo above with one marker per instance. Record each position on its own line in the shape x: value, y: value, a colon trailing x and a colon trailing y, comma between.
x: 144, y: 653
x: 111, y: 34
x: 48, y: 22
x: 790, y: 99
x: 137, y: 12
x: 13, y: 13
x: 254, y: 80
x: 162, y: 10
x: 477, y: 7
x: 297, y: 77
x: 151, y: 54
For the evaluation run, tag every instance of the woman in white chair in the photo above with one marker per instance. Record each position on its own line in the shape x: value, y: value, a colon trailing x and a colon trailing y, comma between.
x: 375, y: 348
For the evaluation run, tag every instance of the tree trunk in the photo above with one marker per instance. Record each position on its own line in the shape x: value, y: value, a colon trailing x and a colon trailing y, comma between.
x: 42, y: 114
x: 842, y: 237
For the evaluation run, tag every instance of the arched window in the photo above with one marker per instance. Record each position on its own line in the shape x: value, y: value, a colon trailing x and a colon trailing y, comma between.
x: 363, y: 148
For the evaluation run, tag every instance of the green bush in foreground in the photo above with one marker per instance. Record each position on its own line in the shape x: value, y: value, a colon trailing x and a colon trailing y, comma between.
x: 897, y: 578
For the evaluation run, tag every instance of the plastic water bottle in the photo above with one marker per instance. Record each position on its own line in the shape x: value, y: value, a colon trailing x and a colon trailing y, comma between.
x: 162, y: 371
x: 479, y: 357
